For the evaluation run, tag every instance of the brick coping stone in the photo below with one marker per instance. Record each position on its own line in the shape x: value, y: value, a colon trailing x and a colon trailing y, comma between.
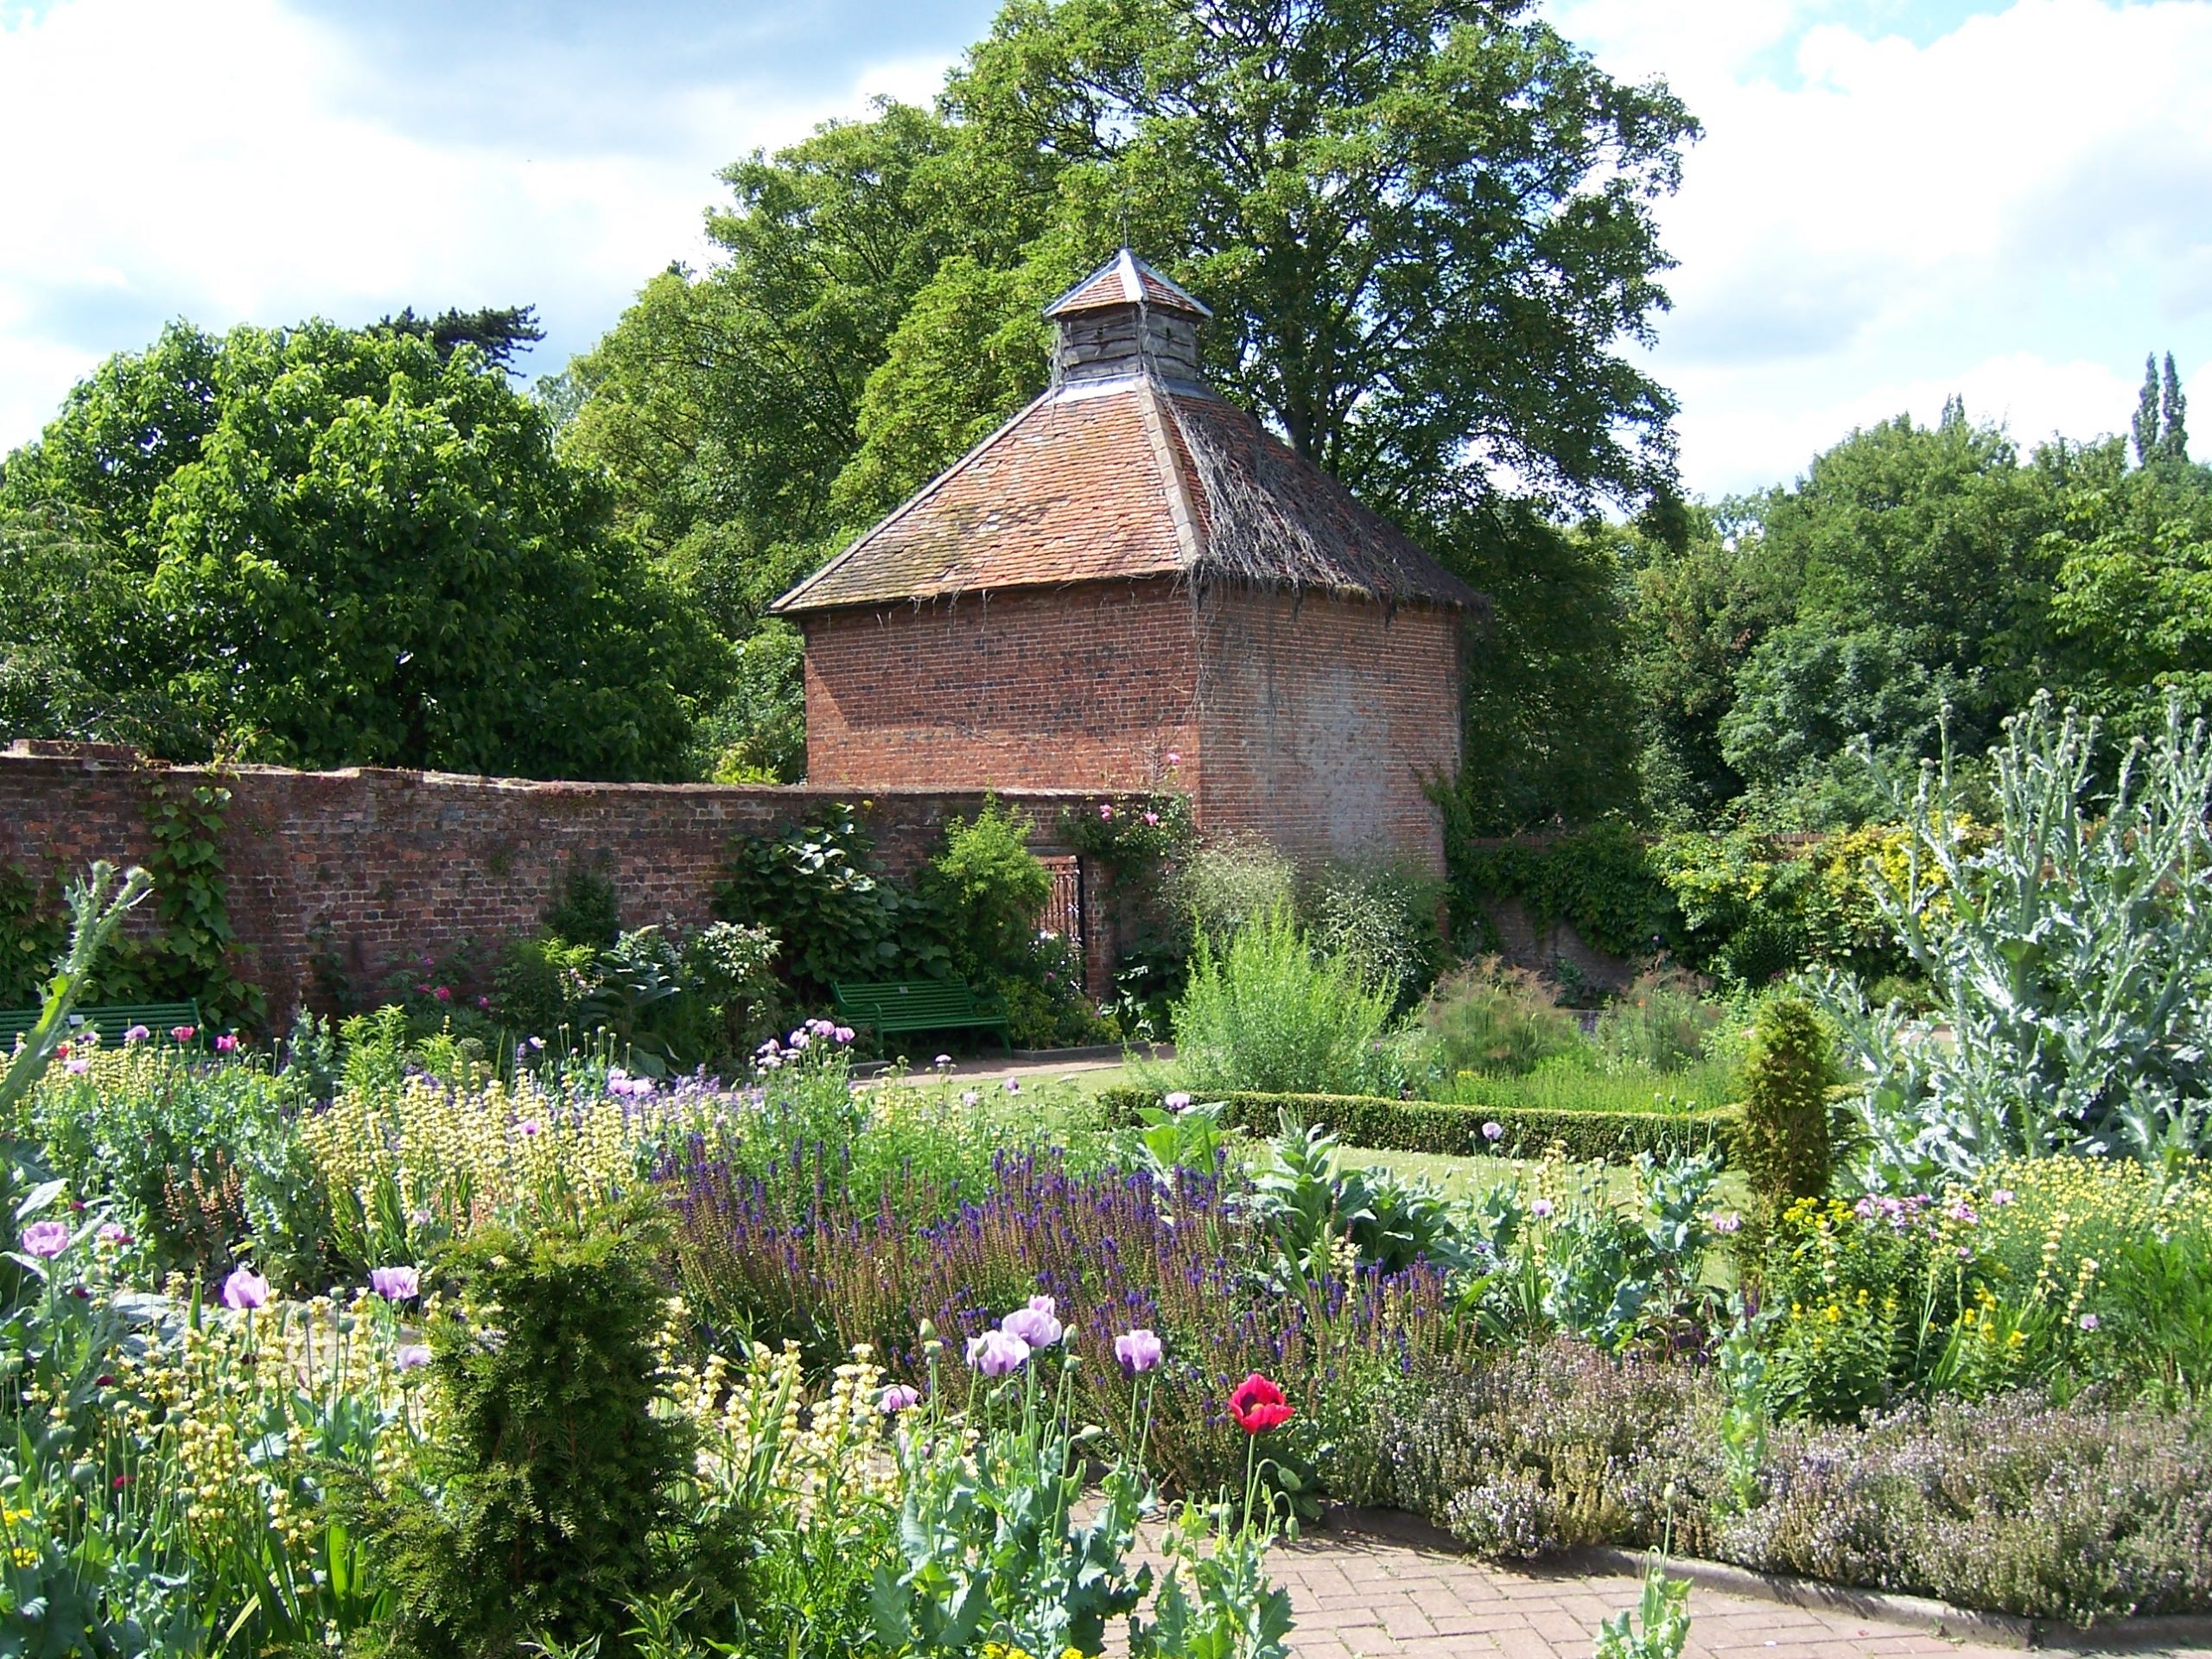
x: 1813, y: 1627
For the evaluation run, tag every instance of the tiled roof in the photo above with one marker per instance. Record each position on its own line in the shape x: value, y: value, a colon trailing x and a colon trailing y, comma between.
x: 1125, y: 280
x: 1126, y: 478
x: 1126, y: 475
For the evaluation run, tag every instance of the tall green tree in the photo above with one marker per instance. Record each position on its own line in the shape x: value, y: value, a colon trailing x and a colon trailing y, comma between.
x: 321, y: 546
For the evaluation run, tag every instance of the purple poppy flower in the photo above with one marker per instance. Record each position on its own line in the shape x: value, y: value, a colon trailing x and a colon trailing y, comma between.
x: 899, y: 1398
x: 136, y: 1034
x: 997, y: 1353
x: 395, y: 1284
x: 245, y: 1288
x: 1138, y: 1350
x: 1493, y: 1133
x: 46, y: 1239
x: 1037, y: 1324
x: 410, y: 1355
x: 1179, y: 1101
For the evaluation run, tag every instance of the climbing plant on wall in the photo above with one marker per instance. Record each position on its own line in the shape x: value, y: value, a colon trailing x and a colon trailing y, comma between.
x: 191, y: 956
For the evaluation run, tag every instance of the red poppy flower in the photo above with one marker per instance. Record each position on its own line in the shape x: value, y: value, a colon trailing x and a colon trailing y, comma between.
x: 1258, y: 1405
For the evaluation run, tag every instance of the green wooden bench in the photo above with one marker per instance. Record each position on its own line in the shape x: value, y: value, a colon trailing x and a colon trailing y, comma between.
x: 159, y: 1019
x: 921, y: 1005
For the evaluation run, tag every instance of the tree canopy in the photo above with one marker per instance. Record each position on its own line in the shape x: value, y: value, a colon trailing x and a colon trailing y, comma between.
x: 320, y: 546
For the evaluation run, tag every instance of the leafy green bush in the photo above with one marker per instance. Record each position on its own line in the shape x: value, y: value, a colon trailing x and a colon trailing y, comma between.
x: 1430, y: 1126
x: 1269, y: 1013
x: 1309, y: 1208
x: 814, y: 888
x: 1784, y: 1147
x: 586, y: 909
x: 1492, y: 1018
x: 543, y: 1501
x: 1600, y: 882
x: 1381, y: 916
x: 2073, y: 1013
x: 1569, y: 1084
x: 31, y: 936
x: 1232, y: 882
x: 988, y: 889
x: 1660, y: 1023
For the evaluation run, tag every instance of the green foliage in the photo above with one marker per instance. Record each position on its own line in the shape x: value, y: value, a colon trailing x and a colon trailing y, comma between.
x: 1381, y: 916
x: 813, y: 886
x: 1308, y: 1208
x: 1783, y: 1146
x: 324, y: 547
x: 757, y: 735
x: 1577, y: 1083
x: 33, y: 931
x: 1430, y: 1126
x: 1599, y: 881
x: 1493, y: 1019
x: 1230, y: 882
x: 191, y: 959
x: 586, y: 909
x: 1660, y: 1023
x: 1657, y: 1627
x: 2065, y: 958
x: 1268, y: 1013
x: 988, y: 889
x: 543, y: 1503
x: 98, y: 905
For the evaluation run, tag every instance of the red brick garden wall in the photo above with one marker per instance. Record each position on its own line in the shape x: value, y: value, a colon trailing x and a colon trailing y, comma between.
x: 1320, y: 721
x: 1091, y: 685
x: 390, y: 865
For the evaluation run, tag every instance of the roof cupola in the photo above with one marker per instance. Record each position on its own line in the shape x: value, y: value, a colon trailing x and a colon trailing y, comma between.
x: 1125, y: 318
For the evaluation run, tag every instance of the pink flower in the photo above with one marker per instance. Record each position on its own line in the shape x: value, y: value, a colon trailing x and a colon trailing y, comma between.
x: 1105, y: 810
x: 136, y: 1034
x: 968, y: 1097
x: 395, y: 1284
x: 484, y: 1002
x: 183, y: 1033
x: 78, y: 1067
x: 530, y: 1126
x: 118, y: 1236
x: 1727, y: 1221
x: 899, y: 1398
x: 842, y: 1034
x: 1138, y: 1350
x: 997, y: 1353
x: 2088, y: 1321
x: 1177, y: 1101
x: 1013, y: 1086
x: 1152, y: 818
x: 245, y: 1288
x: 1540, y: 1208
x: 1493, y: 1133
x: 46, y: 1239
x: 227, y: 1044
x: 1173, y: 759
x: 1036, y: 1324
x: 408, y: 1356
x: 942, y: 1061
x: 2001, y: 1197
x: 444, y: 993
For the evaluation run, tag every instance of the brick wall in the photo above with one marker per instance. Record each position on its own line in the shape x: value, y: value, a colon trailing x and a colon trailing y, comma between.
x: 1088, y: 686
x: 1321, y: 720
x: 401, y: 862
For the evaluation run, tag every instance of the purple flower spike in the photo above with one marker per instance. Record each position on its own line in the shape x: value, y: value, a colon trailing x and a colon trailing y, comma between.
x: 1138, y: 1350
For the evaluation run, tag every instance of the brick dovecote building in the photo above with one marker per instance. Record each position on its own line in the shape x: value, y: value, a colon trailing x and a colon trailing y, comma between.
x: 1132, y: 569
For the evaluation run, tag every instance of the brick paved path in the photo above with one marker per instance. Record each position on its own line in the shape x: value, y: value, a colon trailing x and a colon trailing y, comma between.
x: 1360, y: 1597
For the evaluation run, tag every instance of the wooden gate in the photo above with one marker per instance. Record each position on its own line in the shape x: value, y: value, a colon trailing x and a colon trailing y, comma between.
x: 1063, y: 910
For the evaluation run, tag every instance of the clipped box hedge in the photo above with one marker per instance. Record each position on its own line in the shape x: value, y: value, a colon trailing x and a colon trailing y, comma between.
x: 1434, y: 1126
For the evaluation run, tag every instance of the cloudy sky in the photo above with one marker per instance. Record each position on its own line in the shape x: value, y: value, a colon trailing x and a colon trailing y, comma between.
x: 1895, y: 198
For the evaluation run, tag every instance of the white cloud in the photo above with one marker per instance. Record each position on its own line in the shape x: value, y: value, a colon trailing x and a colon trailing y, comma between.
x: 218, y: 160
x: 2012, y: 209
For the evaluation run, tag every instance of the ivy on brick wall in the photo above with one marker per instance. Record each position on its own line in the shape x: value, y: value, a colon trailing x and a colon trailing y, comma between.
x: 191, y: 958
x: 33, y: 926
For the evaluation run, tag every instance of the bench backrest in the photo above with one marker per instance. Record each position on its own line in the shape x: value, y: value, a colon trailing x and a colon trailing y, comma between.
x: 906, y: 1000
x: 159, y: 1019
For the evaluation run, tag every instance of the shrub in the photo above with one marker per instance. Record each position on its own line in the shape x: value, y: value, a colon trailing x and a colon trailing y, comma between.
x: 814, y: 889
x: 1234, y: 881
x: 1660, y: 1023
x: 586, y: 909
x: 1601, y: 882
x: 2079, y: 1513
x: 1492, y: 1018
x: 1430, y: 1126
x: 1269, y: 1014
x: 989, y: 889
x: 1383, y: 917
x: 1783, y: 1148
x: 542, y: 1502
x: 2066, y: 960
